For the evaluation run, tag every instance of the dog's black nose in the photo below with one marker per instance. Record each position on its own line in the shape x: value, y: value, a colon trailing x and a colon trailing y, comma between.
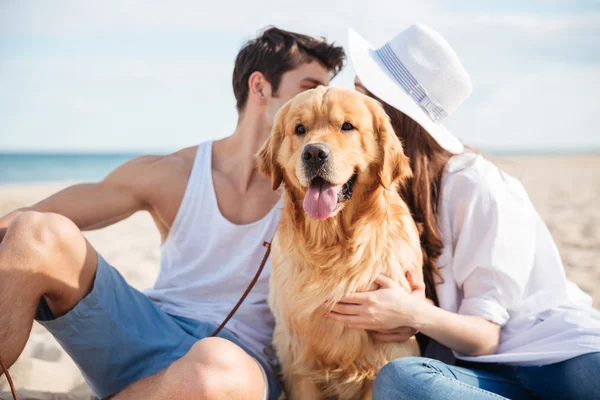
x: 315, y: 154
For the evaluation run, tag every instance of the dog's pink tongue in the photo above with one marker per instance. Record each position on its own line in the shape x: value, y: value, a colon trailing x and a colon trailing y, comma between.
x: 320, y: 200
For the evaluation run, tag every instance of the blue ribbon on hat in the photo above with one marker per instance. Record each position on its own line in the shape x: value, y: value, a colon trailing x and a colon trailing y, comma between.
x: 435, y: 111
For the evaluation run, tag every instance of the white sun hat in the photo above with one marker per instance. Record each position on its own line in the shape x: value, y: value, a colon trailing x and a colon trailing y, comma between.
x: 418, y: 73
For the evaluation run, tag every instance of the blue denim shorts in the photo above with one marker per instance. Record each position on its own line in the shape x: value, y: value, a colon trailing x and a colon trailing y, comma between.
x: 116, y: 335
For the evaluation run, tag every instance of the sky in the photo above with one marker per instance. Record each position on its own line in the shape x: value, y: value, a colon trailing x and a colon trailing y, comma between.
x: 147, y: 75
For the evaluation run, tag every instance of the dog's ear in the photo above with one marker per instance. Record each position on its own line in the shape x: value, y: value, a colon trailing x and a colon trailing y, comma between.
x: 395, y: 165
x: 267, y: 155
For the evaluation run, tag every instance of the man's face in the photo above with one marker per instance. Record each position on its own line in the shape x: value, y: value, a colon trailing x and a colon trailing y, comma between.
x: 305, y: 77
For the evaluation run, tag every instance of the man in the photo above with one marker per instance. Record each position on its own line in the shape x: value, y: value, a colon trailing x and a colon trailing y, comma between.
x: 213, y: 211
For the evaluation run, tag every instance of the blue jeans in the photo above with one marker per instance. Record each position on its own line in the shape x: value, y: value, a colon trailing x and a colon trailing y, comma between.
x: 425, y: 378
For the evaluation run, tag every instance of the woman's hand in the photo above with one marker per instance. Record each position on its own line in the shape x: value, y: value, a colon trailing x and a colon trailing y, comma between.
x: 399, y: 335
x: 388, y: 311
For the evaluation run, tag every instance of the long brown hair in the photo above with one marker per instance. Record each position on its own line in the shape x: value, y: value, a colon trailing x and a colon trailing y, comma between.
x: 421, y: 192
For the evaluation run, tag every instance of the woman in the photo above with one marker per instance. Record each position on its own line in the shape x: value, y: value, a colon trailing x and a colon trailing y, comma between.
x: 517, y: 327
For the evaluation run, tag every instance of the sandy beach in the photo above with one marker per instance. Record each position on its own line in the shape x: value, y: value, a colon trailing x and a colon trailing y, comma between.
x: 565, y: 190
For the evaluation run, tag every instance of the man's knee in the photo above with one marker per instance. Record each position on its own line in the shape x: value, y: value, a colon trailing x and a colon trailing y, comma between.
x: 40, y: 236
x: 215, y: 368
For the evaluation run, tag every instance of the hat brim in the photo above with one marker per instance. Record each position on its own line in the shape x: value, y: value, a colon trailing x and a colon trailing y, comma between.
x: 376, y: 78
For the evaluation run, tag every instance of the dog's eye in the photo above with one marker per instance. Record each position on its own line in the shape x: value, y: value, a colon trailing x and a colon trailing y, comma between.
x: 347, y: 126
x: 300, y: 129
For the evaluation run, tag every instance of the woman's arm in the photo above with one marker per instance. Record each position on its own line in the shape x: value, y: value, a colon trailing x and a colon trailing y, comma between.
x: 390, y: 307
x: 466, y: 334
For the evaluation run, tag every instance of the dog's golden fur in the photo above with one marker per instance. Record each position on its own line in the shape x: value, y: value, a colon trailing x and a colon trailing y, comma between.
x: 315, y: 263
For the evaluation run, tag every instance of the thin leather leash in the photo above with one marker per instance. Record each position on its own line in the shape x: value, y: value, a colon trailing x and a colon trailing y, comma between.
x: 248, y: 289
x: 215, y: 333
x: 10, y: 381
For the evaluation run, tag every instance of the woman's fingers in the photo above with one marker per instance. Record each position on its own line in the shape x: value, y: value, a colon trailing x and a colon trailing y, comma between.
x: 346, y: 319
x: 384, y: 282
x: 359, y: 298
x: 404, y: 330
x: 353, y: 321
x: 386, y: 331
x: 362, y: 321
x: 391, y: 337
x: 413, y: 282
x: 348, y: 309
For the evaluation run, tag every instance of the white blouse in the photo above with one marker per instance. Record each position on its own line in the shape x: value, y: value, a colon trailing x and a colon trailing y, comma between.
x: 500, y: 262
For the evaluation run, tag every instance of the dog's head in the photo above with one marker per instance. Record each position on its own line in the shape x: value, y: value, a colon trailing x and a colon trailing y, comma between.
x: 327, y: 141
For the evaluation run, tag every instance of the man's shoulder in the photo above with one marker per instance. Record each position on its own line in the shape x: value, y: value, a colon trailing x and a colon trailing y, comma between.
x: 181, y: 159
x: 152, y: 170
x: 187, y: 154
x: 167, y: 164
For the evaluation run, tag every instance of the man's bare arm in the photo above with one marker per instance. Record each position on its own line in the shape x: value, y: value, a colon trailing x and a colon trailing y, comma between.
x: 96, y: 205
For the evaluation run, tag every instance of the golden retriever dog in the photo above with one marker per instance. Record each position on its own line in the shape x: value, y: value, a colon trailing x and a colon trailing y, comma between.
x: 343, y: 224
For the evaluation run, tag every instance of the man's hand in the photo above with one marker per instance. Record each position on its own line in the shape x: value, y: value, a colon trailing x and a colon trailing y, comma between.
x: 5, y: 222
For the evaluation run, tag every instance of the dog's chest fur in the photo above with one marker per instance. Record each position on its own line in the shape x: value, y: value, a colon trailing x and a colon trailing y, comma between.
x: 314, y: 268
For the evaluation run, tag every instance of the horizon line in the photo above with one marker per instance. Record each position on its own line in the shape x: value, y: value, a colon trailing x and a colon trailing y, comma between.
x: 496, y: 151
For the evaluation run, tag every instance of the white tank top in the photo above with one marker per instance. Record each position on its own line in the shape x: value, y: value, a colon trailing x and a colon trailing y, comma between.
x: 207, y: 262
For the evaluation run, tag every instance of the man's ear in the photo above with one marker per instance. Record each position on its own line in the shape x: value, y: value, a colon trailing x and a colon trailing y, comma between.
x: 267, y: 155
x: 394, y: 164
x: 258, y: 88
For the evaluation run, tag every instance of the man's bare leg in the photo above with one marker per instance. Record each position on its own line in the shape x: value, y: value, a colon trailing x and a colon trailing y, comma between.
x: 214, y: 368
x: 45, y: 255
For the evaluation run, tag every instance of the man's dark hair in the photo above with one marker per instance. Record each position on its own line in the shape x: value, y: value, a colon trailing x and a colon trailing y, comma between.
x: 275, y: 52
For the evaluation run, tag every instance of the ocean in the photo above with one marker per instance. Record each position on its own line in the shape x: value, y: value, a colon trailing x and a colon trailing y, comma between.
x: 39, y: 167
